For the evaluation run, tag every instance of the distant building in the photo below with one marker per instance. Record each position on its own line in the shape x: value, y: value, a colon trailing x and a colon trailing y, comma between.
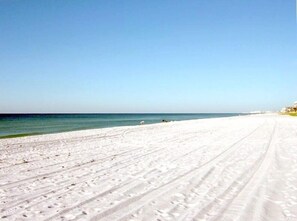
x: 290, y: 109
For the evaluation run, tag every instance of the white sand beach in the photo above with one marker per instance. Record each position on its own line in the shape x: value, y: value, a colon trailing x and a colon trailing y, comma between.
x: 237, y: 168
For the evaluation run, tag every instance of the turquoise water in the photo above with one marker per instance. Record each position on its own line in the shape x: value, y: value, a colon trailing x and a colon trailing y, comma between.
x: 13, y: 125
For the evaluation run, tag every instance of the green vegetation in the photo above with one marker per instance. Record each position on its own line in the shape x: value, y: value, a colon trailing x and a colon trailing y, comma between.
x: 293, y: 114
x: 18, y: 135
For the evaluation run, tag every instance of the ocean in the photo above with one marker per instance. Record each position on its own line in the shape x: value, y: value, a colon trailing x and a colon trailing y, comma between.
x: 17, y: 125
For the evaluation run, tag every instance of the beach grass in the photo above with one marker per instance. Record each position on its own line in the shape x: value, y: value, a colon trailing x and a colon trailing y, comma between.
x: 293, y: 114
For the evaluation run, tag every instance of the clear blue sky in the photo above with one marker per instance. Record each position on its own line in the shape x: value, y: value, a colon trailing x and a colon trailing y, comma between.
x: 147, y: 56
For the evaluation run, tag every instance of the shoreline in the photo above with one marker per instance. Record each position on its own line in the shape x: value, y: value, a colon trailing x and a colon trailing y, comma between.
x: 11, y: 136
x: 232, y: 168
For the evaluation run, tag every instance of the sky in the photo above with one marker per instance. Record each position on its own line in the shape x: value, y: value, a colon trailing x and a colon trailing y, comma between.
x: 95, y: 56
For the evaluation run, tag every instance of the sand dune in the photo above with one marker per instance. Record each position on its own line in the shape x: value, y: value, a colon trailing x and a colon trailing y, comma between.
x: 237, y: 168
